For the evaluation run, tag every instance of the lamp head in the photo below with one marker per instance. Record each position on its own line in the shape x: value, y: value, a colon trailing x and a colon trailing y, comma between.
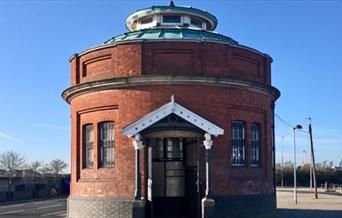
x: 298, y: 127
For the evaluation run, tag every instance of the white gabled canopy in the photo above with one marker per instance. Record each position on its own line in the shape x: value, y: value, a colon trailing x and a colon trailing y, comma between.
x: 164, y: 111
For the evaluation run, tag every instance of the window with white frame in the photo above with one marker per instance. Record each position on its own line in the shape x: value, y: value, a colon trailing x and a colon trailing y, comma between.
x: 237, y: 143
x: 172, y: 19
x: 255, y: 144
x: 146, y: 20
x: 106, y: 139
x: 88, y: 146
x: 196, y: 22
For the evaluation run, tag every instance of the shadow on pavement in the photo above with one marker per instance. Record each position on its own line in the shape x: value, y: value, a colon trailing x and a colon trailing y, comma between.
x: 304, y: 213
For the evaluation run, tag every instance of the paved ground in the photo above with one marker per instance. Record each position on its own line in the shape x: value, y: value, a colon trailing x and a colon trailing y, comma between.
x: 326, y: 206
x: 47, y: 208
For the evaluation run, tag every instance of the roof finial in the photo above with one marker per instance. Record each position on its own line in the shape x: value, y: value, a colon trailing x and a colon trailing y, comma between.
x: 171, y: 3
x: 172, y: 98
x: 173, y: 103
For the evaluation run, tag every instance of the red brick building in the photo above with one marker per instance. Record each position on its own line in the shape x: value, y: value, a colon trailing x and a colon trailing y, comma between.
x: 171, y: 120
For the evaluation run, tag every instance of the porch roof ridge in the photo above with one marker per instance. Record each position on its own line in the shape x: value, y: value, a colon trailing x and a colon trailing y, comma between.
x: 167, y: 109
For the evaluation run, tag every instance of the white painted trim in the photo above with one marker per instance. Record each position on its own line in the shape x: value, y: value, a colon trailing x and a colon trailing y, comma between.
x: 164, y: 111
x: 140, y: 14
x: 207, y: 142
x: 137, y: 143
x: 153, y: 23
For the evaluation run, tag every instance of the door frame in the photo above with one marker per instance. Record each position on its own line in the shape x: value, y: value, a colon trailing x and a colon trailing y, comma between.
x: 148, y: 151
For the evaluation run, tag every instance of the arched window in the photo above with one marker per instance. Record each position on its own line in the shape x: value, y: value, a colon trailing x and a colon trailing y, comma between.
x: 237, y: 143
x: 106, y: 142
x: 255, y: 144
x: 88, y: 146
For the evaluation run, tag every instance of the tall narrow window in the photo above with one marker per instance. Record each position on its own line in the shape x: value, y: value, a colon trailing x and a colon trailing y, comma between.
x: 255, y: 144
x: 106, y: 144
x: 238, y: 143
x: 88, y: 145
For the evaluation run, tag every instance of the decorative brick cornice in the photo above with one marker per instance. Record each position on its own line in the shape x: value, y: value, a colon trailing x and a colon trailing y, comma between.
x: 155, y: 80
x: 104, y: 46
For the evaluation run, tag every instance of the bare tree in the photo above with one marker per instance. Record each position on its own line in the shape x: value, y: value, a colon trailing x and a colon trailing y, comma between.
x: 11, y: 162
x: 36, y: 165
x: 57, y: 166
x: 31, y: 175
x: 33, y: 169
x: 45, y: 170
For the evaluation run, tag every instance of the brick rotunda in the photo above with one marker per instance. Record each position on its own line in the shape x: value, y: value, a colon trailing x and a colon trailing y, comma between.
x: 171, y: 119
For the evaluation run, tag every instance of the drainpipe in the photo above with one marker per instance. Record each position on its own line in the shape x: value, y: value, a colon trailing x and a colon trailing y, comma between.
x: 273, y: 149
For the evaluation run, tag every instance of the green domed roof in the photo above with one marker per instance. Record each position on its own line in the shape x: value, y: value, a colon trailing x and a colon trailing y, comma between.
x: 172, y: 34
x: 158, y: 29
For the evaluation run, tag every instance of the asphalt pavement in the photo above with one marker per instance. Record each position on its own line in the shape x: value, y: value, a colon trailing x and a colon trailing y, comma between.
x: 44, y: 208
x: 326, y: 206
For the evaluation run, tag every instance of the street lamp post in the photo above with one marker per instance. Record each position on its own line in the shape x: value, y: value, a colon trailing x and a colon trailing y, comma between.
x: 294, y: 163
x: 282, y: 162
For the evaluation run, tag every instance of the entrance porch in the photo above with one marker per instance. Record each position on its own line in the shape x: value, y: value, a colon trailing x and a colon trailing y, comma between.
x: 177, y: 181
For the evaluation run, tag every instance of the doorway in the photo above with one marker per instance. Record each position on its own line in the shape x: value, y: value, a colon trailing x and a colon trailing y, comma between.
x: 173, y: 178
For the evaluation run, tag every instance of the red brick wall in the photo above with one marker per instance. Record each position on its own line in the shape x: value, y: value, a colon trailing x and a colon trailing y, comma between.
x: 181, y: 58
x: 124, y: 106
x: 118, y: 61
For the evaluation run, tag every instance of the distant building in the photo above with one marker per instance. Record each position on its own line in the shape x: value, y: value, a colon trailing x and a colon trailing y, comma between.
x: 30, y: 187
x: 171, y: 119
x: 3, y: 173
x: 304, y: 160
x: 331, y: 164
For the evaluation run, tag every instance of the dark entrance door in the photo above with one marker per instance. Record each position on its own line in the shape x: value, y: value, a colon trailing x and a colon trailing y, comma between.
x: 174, y: 191
x: 192, y: 183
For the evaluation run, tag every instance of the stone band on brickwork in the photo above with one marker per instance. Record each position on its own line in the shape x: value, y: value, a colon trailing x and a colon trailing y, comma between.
x: 90, y: 207
x: 125, y: 82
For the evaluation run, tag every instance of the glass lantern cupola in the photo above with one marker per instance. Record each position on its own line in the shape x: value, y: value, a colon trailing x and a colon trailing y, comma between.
x: 171, y: 16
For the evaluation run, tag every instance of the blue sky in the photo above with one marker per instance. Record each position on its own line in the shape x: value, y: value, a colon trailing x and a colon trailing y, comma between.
x: 38, y: 37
